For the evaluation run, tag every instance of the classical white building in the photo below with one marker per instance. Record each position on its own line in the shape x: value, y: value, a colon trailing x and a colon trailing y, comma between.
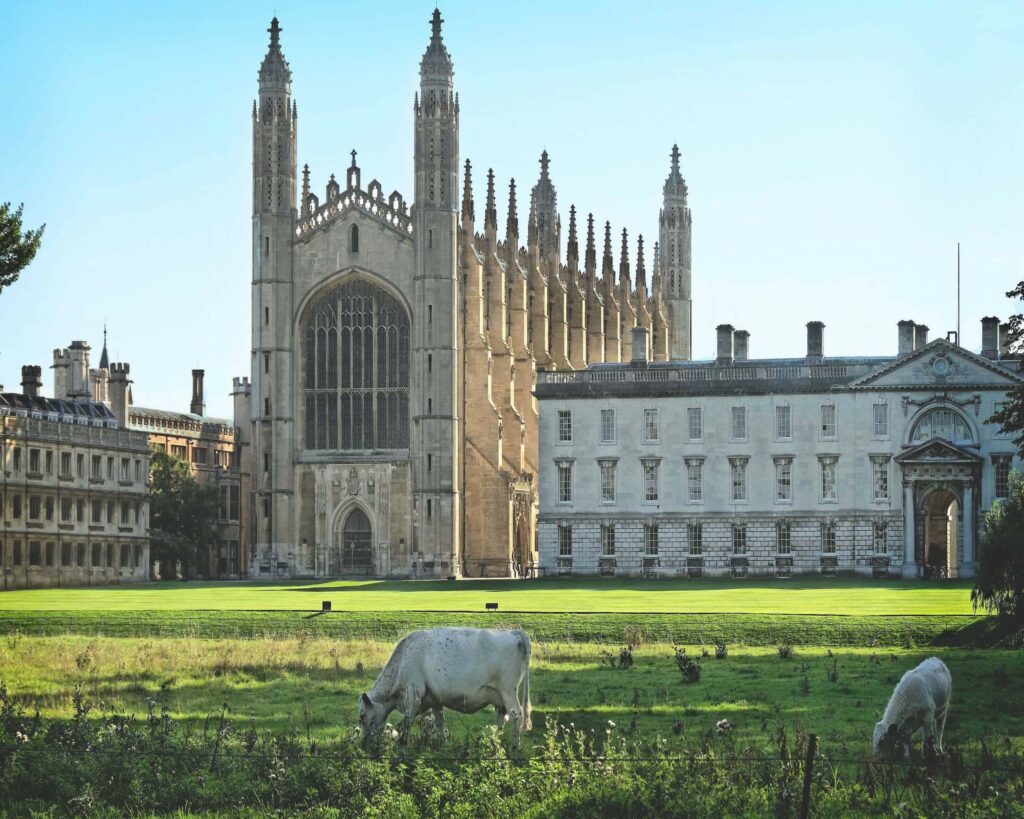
x: 874, y: 465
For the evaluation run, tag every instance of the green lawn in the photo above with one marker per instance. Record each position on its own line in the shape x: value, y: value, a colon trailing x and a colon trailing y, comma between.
x: 811, y: 596
x: 311, y: 686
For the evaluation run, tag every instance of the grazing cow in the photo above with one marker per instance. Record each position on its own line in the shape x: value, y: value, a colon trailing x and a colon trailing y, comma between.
x: 920, y: 701
x: 464, y: 669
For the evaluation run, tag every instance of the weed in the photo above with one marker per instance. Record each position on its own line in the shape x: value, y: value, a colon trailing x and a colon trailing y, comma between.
x: 721, y: 651
x: 785, y: 651
x: 689, y: 669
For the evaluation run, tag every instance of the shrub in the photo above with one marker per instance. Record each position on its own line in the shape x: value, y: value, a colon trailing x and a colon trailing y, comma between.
x: 721, y: 651
x: 785, y: 651
x: 688, y: 669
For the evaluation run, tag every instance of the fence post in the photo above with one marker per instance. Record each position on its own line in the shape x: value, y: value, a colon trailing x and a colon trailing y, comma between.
x: 805, y: 803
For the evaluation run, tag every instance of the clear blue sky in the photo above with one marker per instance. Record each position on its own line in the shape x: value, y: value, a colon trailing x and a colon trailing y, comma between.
x: 835, y: 154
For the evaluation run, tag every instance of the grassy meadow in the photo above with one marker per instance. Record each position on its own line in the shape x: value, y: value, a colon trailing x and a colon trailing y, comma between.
x: 147, y: 683
x: 310, y: 686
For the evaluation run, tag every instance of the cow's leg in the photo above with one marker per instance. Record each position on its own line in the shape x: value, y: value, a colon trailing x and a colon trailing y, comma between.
x: 515, y: 715
x: 940, y: 728
x: 410, y: 707
x: 442, y: 730
x: 499, y: 717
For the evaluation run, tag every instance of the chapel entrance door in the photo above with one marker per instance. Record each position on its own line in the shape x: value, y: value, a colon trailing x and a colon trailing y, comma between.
x: 354, y: 545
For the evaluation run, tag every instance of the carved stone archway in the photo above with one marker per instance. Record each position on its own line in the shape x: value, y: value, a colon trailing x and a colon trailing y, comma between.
x: 938, y: 466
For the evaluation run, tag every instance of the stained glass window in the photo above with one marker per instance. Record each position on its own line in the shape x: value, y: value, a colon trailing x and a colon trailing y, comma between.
x: 356, y: 379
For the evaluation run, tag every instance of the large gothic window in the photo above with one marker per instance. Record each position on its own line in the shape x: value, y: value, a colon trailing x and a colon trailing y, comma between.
x: 942, y: 423
x: 356, y: 380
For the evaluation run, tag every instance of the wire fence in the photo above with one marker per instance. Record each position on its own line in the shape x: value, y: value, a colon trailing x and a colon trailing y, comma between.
x: 938, y: 762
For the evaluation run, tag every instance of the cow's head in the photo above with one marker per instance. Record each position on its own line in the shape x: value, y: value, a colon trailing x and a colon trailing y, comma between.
x: 885, y: 741
x: 371, y: 715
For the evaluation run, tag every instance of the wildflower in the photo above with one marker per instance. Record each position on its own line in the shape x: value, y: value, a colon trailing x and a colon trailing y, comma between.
x: 723, y: 726
x: 20, y: 737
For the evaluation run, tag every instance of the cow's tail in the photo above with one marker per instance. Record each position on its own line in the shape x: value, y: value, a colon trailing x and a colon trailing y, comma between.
x: 527, y: 707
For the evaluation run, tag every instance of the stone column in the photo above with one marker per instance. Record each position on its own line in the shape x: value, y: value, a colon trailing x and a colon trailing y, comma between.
x: 967, y: 558
x: 909, y: 561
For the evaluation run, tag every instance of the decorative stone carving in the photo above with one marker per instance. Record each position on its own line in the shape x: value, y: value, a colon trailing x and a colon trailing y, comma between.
x: 353, y: 481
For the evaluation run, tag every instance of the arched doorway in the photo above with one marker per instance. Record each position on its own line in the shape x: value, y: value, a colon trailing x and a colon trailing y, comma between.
x: 941, y: 512
x: 354, y: 545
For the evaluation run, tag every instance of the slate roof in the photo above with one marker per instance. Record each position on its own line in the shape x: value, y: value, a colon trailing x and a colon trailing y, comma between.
x: 16, y: 403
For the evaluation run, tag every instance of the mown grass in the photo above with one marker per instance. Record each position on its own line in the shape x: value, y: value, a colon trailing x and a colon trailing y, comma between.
x: 815, y: 595
x: 310, y: 686
x: 749, y: 629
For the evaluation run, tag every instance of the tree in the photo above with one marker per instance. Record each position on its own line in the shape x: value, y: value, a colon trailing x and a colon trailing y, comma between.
x: 183, y: 516
x: 17, y: 248
x: 1011, y: 416
x: 999, y: 581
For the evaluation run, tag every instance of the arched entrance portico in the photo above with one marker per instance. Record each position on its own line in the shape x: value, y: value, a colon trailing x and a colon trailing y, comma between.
x: 940, y: 511
x: 352, y: 551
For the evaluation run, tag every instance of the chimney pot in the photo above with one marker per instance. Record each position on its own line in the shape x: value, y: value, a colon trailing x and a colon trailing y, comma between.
x: 990, y: 337
x: 741, y: 345
x: 920, y: 335
x: 725, y: 344
x: 906, y: 337
x: 1004, y: 340
x: 198, y: 406
x: 31, y: 380
x: 641, y: 353
x: 815, y: 340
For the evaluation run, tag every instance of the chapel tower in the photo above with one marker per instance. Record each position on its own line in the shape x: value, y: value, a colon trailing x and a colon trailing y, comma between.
x: 273, y: 223
x: 437, y: 379
x: 674, y: 259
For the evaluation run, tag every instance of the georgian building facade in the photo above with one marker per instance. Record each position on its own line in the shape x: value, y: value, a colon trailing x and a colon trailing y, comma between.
x: 734, y: 467
x: 74, y: 497
x: 395, y: 344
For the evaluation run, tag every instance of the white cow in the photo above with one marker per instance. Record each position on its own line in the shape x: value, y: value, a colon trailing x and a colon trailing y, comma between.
x: 920, y: 701
x: 464, y: 669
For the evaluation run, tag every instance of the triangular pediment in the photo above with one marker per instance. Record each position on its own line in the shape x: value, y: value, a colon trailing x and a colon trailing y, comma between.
x: 937, y: 449
x: 939, y: 365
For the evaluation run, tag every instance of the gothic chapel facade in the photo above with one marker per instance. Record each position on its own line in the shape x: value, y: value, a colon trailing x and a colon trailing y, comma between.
x: 395, y: 347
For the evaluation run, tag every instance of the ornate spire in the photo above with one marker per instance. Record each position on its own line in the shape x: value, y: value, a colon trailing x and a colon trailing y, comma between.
x: 607, y: 262
x: 436, y: 63
x: 641, y: 271
x: 512, y: 223
x: 490, y: 211
x: 545, y: 200
x: 531, y: 227
x: 590, y: 262
x: 573, y: 249
x: 305, y: 186
x: 468, y: 208
x: 675, y: 185
x: 624, y: 259
x: 104, y: 359
x: 274, y: 72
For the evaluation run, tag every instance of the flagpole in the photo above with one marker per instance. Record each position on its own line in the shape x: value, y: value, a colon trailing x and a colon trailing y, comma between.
x: 958, y: 294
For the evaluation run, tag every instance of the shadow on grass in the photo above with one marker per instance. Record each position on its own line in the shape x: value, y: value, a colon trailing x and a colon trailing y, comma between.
x: 552, y: 584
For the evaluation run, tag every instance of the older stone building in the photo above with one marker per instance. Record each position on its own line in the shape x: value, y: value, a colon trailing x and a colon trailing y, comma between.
x: 395, y: 345
x: 74, y: 501
x: 737, y: 466
x: 213, y: 449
